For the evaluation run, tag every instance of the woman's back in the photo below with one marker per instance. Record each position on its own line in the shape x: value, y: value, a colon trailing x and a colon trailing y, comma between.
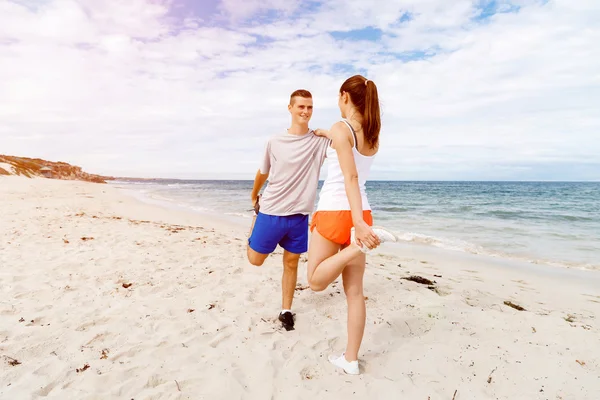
x: 333, y: 194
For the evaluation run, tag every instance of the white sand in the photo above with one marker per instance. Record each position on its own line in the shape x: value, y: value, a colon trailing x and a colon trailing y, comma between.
x: 63, y: 303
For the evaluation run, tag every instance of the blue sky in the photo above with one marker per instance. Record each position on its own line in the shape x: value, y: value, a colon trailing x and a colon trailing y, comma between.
x: 470, y: 89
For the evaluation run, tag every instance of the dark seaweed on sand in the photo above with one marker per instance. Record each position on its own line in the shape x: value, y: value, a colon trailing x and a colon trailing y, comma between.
x: 513, y: 305
x: 419, y: 279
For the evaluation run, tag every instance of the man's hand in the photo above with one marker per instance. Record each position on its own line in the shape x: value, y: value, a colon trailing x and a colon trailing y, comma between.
x: 255, y: 204
x: 259, y: 181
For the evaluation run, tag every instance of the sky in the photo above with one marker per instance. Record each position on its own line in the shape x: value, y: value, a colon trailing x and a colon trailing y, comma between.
x: 193, y: 89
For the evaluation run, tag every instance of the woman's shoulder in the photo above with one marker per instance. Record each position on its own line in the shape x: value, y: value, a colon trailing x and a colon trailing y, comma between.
x: 339, y: 132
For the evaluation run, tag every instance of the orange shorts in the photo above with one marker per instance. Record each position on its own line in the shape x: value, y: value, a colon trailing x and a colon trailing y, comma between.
x: 336, y: 225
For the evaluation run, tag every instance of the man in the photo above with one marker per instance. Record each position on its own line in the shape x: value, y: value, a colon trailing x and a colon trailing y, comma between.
x: 291, y: 162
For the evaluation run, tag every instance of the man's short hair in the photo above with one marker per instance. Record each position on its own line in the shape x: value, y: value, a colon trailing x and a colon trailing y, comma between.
x: 300, y: 93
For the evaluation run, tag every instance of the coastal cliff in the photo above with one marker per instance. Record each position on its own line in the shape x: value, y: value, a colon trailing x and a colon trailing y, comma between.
x: 33, y: 167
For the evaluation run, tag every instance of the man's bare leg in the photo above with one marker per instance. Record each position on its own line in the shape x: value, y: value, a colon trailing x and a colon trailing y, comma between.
x: 289, y: 279
x: 288, y: 288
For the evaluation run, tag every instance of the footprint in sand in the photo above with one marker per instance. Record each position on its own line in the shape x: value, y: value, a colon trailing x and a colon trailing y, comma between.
x: 593, y: 299
x: 45, y: 391
x: 309, y: 373
x: 128, y: 354
x: 99, y: 338
x: 221, y: 336
x: 325, y: 346
x: 239, y: 375
x: 154, y: 381
x: 100, y: 321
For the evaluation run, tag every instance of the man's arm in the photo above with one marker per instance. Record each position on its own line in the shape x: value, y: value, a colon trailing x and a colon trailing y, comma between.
x: 259, y: 182
x: 262, y: 174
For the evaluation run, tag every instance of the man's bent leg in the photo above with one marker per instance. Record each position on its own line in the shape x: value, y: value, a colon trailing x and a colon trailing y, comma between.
x: 255, y: 258
x: 263, y: 239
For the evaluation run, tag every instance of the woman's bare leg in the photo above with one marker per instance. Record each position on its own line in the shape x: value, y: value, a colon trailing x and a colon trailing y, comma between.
x: 326, y: 262
x: 320, y: 249
x: 352, y: 277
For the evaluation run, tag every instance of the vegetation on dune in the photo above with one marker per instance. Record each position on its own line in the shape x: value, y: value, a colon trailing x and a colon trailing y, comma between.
x: 31, y: 167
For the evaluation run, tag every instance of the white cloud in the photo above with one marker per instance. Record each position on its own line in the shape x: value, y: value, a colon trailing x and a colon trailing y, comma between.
x: 132, y: 89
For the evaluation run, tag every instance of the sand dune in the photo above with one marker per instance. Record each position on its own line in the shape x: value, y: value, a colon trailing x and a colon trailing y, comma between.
x: 104, y: 297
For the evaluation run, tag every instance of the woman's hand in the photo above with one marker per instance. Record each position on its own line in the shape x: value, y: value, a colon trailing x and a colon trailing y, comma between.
x: 322, y: 133
x: 365, y: 235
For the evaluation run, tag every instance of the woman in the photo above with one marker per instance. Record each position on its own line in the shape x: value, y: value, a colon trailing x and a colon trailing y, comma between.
x: 341, y: 227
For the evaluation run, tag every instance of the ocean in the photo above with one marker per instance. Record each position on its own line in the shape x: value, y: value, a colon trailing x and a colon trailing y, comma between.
x: 552, y: 223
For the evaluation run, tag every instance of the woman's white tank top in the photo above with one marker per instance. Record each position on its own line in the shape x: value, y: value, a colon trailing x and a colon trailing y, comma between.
x: 333, y: 193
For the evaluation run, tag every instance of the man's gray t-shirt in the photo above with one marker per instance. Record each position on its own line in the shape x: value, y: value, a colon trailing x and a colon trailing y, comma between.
x: 293, y: 163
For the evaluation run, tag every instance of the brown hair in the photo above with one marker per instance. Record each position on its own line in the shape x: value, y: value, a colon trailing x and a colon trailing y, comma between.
x: 363, y: 94
x: 300, y: 93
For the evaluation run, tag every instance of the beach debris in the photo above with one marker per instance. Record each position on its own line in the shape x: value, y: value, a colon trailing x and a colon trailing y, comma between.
x: 85, y: 367
x: 582, y: 363
x: 190, y: 310
x: 570, y: 318
x: 104, y: 354
x: 489, y: 380
x: 300, y: 287
x: 13, y: 362
x: 85, y: 238
x: 513, y: 305
x: 533, y: 329
x: 400, y: 265
x: 65, y: 240
x: 22, y: 319
x: 437, y: 276
x: 177, y: 383
x: 454, y: 397
x: 127, y: 285
x: 419, y: 279
x: 211, y: 306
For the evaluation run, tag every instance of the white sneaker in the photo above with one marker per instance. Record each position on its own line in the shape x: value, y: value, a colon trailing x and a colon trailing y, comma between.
x: 349, y: 367
x: 383, y: 234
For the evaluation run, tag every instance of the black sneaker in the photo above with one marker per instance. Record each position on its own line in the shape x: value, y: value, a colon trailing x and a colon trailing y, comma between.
x: 287, y: 320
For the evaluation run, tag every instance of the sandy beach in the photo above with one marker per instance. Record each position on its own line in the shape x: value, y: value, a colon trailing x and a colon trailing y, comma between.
x: 106, y: 297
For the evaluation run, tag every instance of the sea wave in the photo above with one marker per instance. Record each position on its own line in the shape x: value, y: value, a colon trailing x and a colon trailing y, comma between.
x: 466, y: 247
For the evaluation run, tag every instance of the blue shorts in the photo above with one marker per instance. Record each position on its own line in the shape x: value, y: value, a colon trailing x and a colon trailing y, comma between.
x: 289, y: 231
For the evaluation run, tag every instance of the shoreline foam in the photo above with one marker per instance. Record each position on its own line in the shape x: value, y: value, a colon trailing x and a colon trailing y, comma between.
x: 453, y: 245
